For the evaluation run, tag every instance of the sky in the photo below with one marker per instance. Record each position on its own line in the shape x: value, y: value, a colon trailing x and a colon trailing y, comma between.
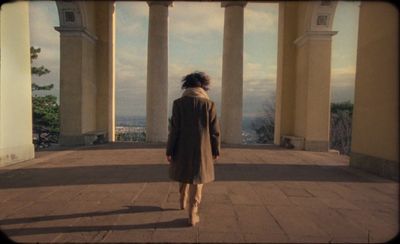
x: 195, y: 43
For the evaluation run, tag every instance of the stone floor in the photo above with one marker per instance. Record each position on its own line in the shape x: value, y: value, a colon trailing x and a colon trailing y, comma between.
x: 121, y: 193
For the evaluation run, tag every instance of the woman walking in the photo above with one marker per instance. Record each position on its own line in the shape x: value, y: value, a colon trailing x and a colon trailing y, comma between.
x: 193, y: 141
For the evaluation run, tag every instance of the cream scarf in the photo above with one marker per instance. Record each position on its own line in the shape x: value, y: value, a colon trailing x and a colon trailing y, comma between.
x: 195, y: 92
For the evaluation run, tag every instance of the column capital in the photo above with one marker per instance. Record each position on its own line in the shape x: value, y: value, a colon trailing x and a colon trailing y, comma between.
x: 314, y: 35
x: 76, y: 31
x: 165, y: 3
x: 233, y: 3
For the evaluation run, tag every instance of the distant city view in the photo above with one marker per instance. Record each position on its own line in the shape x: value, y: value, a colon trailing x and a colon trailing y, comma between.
x: 133, y: 128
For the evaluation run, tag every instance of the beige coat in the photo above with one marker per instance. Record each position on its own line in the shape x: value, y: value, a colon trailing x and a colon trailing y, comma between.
x: 194, y: 138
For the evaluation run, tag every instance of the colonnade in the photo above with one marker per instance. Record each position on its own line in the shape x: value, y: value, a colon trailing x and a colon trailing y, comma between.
x: 232, y: 72
x: 87, y: 78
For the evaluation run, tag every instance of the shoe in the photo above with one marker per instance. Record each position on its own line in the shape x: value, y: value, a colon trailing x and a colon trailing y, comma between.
x: 194, y: 220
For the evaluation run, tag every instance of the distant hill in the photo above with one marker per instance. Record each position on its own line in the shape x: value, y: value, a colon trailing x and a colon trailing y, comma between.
x: 140, y: 121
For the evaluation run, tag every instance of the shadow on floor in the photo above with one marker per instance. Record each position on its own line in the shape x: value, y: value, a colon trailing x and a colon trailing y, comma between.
x: 124, y: 210
x: 132, y: 145
x: 118, y: 174
x: 177, y: 223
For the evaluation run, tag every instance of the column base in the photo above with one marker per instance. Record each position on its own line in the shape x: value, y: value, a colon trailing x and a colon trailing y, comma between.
x: 13, y: 155
x: 292, y: 142
x: 378, y: 166
x: 89, y: 138
x: 299, y: 143
x: 316, y: 146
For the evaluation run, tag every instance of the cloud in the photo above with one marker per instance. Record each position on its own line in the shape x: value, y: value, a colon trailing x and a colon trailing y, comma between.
x: 196, y: 18
x: 133, y: 8
x: 43, y: 19
x: 343, y: 76
x: 131, y: 19
x: 261, y: 18
x: 348, y: 70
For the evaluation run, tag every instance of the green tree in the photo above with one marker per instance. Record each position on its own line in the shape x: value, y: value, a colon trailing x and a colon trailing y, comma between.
x: 45, y: 110
x: 341, y: 122
x: 265, y: 126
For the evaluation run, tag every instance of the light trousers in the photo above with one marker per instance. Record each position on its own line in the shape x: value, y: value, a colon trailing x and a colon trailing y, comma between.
x: 191, y: 194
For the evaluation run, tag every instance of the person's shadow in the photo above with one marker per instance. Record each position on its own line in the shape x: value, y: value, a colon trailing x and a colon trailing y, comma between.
x: 176, y: 223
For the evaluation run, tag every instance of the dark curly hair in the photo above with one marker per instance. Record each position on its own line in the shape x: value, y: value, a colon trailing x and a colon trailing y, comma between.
x: 196, y: 79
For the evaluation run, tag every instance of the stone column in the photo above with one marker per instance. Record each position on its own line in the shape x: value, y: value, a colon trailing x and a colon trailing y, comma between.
x: 15, y: 84
x: 286, y: 71
x: 312, y: 100
x: 375, y: 132
x: 105, y: 68
x: 232, y: 73
x: 157, y: 72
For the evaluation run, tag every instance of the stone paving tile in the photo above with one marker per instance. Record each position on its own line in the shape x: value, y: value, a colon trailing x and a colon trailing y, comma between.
x: 372, y: 193
x: 39, y: 238
x: 270, y: 194
x: 174, y: 236
x: 309, y: 239
x: 332, y: 222
x: 265, y: 238
x: 377, y: 229
x: 308, y: 202
x: 49, y: 222
x: 376, y: 206
x: 217, y: 209
x: 81, y: 235
x: 129, y: 236
x: 217, y: 237
x: 31, y: 195
x: 173, y: 219
x: 344, y: 191
x: 388, y: 188
x: 295, y: 222
x: 215, y: 188
x: 256, y: 220
x: 90, y: 196
x: 9, y: 207
x: 211, y: 223
x: 36, y: 211
x: 7, y: 194
x: 242, y: 193
x: 216, y: 198
x: 323, y: 193
x: 154, y: 192
x: 295, y: 192
x: 338, y: 203
x: 142, y: 217
x: 62, y: 195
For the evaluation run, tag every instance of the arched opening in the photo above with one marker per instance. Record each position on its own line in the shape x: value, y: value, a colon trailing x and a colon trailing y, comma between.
x: 260, y: 62
x: 45, y: 61
x: 83, y: 50
x: 131, y: 62
x: 343, y: 71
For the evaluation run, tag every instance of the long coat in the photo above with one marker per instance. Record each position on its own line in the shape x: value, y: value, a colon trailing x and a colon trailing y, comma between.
x: 193, y: 140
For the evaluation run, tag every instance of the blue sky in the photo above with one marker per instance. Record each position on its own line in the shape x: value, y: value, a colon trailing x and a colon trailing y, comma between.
x: 195, y: 43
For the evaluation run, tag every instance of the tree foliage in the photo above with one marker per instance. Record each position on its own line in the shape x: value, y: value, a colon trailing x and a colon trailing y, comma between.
x: 45, y: 109
x: 39, y: 71
x: 341, y: 122
x: 265, y: 126
x: 340, y: 125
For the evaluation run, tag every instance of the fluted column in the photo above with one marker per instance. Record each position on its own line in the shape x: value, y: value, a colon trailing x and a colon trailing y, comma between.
x: 157, y: 72
x: 232, y: 73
